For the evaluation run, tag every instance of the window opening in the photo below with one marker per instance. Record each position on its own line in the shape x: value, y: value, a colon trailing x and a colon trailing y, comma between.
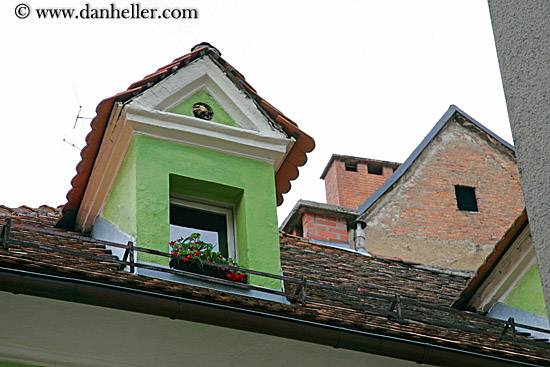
x: 351, y: 166
x: 214, y: 223
x: 466, y: 198
x: 375, y: 169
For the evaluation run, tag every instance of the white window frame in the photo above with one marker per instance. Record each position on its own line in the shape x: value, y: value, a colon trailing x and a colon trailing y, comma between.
x: 215, y: 208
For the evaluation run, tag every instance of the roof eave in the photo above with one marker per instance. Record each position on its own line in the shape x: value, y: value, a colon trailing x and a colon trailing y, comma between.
x: 135, y: 300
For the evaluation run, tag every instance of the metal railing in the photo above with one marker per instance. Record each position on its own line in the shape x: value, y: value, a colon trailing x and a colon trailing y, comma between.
x: 304, y: 291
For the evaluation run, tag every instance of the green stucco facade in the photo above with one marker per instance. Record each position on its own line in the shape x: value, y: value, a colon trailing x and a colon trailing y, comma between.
x: 154, y: 169
x: 186, y: 108
x: 120, y: 208
x: 527, y: 294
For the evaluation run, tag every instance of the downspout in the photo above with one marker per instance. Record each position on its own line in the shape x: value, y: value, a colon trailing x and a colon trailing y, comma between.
x: 357, y: 228
x: 135, y: 300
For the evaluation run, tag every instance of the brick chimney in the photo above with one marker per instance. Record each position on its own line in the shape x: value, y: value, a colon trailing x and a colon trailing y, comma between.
x: 349, y: 181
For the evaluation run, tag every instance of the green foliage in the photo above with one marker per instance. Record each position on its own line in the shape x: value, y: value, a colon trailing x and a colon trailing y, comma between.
x: 192, y: 249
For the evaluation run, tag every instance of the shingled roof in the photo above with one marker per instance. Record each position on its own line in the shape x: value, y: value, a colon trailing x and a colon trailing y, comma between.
x: 287, y: 172
x: 335, y: 297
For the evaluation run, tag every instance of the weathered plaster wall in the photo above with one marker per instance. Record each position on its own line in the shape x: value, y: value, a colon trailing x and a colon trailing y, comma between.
x: 522, y: 31
x: 160, y: 167
x: 418, y: 218
x: 50, y: 333
x: 527, y: 295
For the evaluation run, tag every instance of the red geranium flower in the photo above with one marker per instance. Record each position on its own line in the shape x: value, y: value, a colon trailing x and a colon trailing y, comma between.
x: 232, y: 276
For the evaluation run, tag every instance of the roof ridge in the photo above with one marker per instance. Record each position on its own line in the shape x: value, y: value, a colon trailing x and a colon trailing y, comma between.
x: 420, y: 149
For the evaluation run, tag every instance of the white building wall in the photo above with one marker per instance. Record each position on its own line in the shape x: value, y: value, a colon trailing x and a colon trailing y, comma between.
x: 45, y: 332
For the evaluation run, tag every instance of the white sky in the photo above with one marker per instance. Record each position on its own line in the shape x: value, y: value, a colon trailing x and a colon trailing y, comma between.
x: 363, y: 78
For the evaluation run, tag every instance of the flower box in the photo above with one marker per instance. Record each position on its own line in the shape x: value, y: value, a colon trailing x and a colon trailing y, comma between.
x: 211, y: 271
x: 193, y: 252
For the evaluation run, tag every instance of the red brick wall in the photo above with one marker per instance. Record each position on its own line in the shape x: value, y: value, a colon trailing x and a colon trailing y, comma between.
x: 428, y: 208
x: 419, y: 218
x: 325, y: 228
x: 351, y: 189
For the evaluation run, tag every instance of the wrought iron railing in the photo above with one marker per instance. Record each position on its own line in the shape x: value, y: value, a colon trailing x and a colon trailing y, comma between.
x: 304, y: 291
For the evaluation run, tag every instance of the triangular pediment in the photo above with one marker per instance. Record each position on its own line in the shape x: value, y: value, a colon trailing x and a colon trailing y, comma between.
x: 202, y: 82
x: 158, y: 106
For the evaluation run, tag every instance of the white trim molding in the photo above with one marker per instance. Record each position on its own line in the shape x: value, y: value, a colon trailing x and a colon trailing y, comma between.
x: 515, y: 263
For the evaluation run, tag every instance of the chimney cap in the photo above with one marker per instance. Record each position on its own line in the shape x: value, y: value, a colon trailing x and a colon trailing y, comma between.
x: 358, y: 222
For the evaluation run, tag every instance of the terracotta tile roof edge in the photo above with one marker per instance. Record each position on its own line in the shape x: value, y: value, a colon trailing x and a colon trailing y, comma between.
x: 492, y: 260
x: 23, y: 210
x: 286, y: 173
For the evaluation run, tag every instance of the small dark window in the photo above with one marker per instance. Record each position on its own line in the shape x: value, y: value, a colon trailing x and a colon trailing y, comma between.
x: 375, y: 169
x: 466, y: 198
x: 351, y: 166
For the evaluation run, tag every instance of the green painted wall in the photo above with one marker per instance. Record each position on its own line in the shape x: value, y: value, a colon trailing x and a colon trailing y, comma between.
x: 11, y: 364
x: 186, y: 108
x: 152, y: 168
x: 120, y: 208
x: 528, y: 295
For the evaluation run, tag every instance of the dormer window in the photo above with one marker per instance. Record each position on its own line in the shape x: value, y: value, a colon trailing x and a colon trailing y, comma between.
x: 230, y: 172
x: 213, y: 222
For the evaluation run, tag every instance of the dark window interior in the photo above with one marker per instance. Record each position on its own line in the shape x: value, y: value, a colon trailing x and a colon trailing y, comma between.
x: 201, y: 220
x: 351, y: 166
x: 466, y: 198
x: 375, y: 169
x: 299, y: 230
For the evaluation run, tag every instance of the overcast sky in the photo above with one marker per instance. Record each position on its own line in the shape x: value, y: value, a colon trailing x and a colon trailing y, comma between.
x: 363, y: 78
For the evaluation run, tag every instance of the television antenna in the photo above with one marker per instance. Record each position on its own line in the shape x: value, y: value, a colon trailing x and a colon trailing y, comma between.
x: 78, y: 117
